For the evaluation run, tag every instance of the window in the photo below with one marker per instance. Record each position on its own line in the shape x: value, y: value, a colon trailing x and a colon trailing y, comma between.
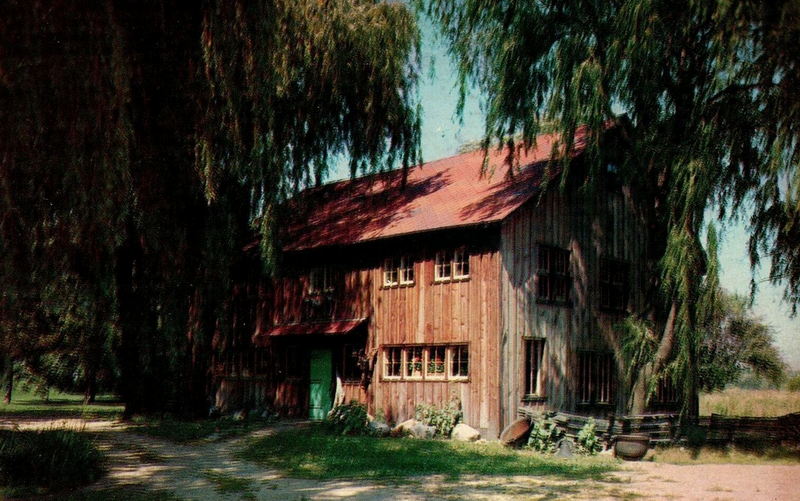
x: 393, y: 362
x: 434, y: 368
x: 443, y: 267
x: 666, y: 392
x: 289, y: 364
x: 534, y: 375
x: 596, y: 377
x: 320, y: 280
x: 427, y: 363
x: 460, y: 263
x: 614, y: 284
x: 390, y: 272
x: 553, y: 279
x: 414, y: 362
x: 398, y: 271
x: 351, y: 368
x: 451, y: 265
x: 406, y: 270
x: 459, y: 362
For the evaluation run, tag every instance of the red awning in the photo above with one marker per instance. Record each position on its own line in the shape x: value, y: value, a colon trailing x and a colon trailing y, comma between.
x: 308, y: 328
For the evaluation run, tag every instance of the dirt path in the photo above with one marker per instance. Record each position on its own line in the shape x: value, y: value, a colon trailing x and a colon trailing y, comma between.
x: 209, y: 471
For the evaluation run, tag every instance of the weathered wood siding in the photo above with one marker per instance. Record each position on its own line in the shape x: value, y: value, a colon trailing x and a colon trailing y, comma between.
x: 457, y: 312
x: 563, y: 219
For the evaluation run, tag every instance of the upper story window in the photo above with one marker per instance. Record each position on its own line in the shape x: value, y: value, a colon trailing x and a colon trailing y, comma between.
x: 614, y: 288
x: 398, y: 271
x: 451, y: 265
x: 553, y: 278
x: 320, y: 280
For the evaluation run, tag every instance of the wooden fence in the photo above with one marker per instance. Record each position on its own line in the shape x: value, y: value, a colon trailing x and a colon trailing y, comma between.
x: 665, y: 428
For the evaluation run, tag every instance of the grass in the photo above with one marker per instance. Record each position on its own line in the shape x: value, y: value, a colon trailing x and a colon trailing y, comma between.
x: 740, y: 402
x: 180, y: 431
x: 37, y: 462
x: 229, y: 484
x: 56, y: 404
x: 127, y: 493
x: 311, y: 453
x: 726, y: 455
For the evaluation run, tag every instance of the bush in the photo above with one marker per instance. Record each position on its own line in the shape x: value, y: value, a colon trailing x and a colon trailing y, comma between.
x: 544, y: 435
x: 588, y: 442
x: 48, y: 459
x: 348, y: 419
x: 794, y: 383
x: 443, y: 419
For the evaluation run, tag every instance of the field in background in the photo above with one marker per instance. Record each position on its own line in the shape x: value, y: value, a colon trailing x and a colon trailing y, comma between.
x: 57, y: 404
x: 739, y: 402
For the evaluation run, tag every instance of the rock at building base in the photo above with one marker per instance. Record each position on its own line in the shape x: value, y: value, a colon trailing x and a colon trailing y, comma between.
x: 379, y: 429
x: 465, y: 433
x: 421, y: 430
x: 566, y: 448
x: 403, y: 429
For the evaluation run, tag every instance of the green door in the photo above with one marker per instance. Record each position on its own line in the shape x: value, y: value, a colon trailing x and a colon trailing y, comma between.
x: 321, y: 378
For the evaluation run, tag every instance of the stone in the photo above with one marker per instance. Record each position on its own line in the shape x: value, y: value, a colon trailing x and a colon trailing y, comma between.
x: 566, y: 448
x: 403, y: 429
x: 465, y: 433
x: 421, y: 430
x: 379, y: 429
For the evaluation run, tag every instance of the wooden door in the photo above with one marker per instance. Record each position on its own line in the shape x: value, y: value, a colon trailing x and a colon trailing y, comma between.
x: 320, y: 381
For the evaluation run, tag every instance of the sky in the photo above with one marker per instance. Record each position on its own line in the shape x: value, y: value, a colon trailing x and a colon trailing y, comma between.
x: 443, y: 132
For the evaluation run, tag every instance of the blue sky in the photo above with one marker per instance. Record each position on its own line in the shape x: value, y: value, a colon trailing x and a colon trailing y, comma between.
x: 443, y: 132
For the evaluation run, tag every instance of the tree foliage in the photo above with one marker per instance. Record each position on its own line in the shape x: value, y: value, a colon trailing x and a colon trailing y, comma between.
x: 705, y: 95
x: 142, y: 140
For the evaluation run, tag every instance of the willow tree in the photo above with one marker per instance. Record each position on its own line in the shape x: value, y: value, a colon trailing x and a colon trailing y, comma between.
x: 706, y: 95
x: 142, y: 140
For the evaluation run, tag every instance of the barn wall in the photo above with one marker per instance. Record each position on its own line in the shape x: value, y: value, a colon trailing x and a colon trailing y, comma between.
x: 608, y: 227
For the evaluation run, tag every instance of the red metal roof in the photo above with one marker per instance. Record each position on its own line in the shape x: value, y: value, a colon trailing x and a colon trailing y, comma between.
x: 308, y: 328
x: 441, y: 194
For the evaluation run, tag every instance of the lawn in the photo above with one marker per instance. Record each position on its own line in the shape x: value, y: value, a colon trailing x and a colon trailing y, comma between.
x: 57, y: 404
x: 313, y: 453
x: 740, y: 402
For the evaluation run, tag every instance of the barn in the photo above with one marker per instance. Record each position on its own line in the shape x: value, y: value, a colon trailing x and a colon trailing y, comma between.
x: 460, y: 282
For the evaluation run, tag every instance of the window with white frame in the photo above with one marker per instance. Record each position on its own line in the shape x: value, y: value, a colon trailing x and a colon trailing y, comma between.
x: 459, y: 362
x: 534, y: 374
x: 393, y: 362
x: 426, y: 363
x: 451, y: 265
x: 398, y: 271
x: 406, y: 270
x: 390, y: 272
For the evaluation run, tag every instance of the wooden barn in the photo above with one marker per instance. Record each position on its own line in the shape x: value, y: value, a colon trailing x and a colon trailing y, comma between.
x: 459, y: 286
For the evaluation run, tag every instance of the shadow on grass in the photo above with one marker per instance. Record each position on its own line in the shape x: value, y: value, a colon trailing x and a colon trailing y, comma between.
x: 311, y: 453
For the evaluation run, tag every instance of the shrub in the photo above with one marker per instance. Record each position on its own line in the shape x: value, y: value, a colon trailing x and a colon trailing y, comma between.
x: 794, y: 383
x: 545, y: 435
x: 443, y: 419
x: 588, y: 442
x: 348, y: 419
x: 49, y: 459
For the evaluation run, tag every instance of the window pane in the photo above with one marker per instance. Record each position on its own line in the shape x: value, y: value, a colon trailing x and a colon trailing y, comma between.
x: 389, y: 271
x: 393, y: 362
x: 459, y: 363
x: 406, y: 270
x: 442, y: 269
x: 435, y: 366
x: 534, y: 351
x: 414, y: 361
x: 461, y: 264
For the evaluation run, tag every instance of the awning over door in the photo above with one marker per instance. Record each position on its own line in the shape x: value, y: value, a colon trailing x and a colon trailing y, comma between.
x: 336, y: 327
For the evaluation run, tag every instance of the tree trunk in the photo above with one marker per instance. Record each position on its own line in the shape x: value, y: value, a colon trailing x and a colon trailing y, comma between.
x: 637, y: 400
x: 8, y: 378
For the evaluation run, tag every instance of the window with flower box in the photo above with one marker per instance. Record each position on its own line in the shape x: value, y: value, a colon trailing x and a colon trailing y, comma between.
x: 426, y: 362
